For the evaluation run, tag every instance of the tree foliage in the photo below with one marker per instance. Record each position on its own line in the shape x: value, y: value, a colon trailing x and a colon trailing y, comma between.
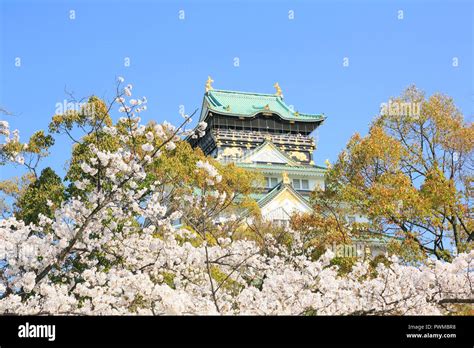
x: 111, y: 245
x: 411, y: 177
x: 43, y: 196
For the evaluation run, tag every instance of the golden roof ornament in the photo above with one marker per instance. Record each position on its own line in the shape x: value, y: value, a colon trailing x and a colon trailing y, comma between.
x: 328, y: 164
x: 208, y: 84
x: 286, y: 178
x: 278, y: 90
x: 267, y: 107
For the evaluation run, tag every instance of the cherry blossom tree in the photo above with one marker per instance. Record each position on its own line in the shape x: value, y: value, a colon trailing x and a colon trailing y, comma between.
x: 113, y: 245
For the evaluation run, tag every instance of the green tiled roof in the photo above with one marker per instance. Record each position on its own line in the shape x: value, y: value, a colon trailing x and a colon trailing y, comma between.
x: 274, y: 192
x: 257, y: 196
x: 270, y: 195
x: 244, y: 104
x: 374, y: 237
x: 306, y: 170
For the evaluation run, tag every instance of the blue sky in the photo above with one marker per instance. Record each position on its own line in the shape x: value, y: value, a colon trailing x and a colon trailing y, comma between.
x: 170, y: 58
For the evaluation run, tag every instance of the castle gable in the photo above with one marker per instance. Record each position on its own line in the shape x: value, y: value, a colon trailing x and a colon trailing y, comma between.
x: 268, y: 153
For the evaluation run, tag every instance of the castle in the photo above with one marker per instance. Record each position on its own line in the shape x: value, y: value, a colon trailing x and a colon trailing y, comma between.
x: 260, y: 132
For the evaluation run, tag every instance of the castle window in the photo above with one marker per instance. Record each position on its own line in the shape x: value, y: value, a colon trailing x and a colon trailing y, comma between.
x: 300, y: 184
x: 271, y: 182
x: 296, y: 184
x: 281, y: 223
x: 305, y: 184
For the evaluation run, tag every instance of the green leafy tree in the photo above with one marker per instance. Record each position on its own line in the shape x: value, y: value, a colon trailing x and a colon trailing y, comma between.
x: 411, y: 176
x: 42, y: 196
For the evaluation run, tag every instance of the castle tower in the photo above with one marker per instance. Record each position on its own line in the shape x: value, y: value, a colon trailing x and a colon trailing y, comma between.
x: 260, y: 132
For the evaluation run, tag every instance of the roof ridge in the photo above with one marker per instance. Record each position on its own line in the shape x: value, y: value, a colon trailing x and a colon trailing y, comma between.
x: 278, y: 188
x: 270, y: 194
x: 251, y: 104
x: 298, y: 195
x: 315, y: 168
x: 246, y: 93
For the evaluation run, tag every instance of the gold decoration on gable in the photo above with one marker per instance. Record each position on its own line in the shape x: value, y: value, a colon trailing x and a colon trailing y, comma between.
x: 286, y: 178
x: 208, y: 84
x: 278, y: 89
x: 300, y: 156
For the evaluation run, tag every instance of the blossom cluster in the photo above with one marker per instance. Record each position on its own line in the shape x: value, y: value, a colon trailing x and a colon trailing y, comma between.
x: 113, y: 249
x: 166, y: 276
x: 11, y: 137
x: 212, y: 173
